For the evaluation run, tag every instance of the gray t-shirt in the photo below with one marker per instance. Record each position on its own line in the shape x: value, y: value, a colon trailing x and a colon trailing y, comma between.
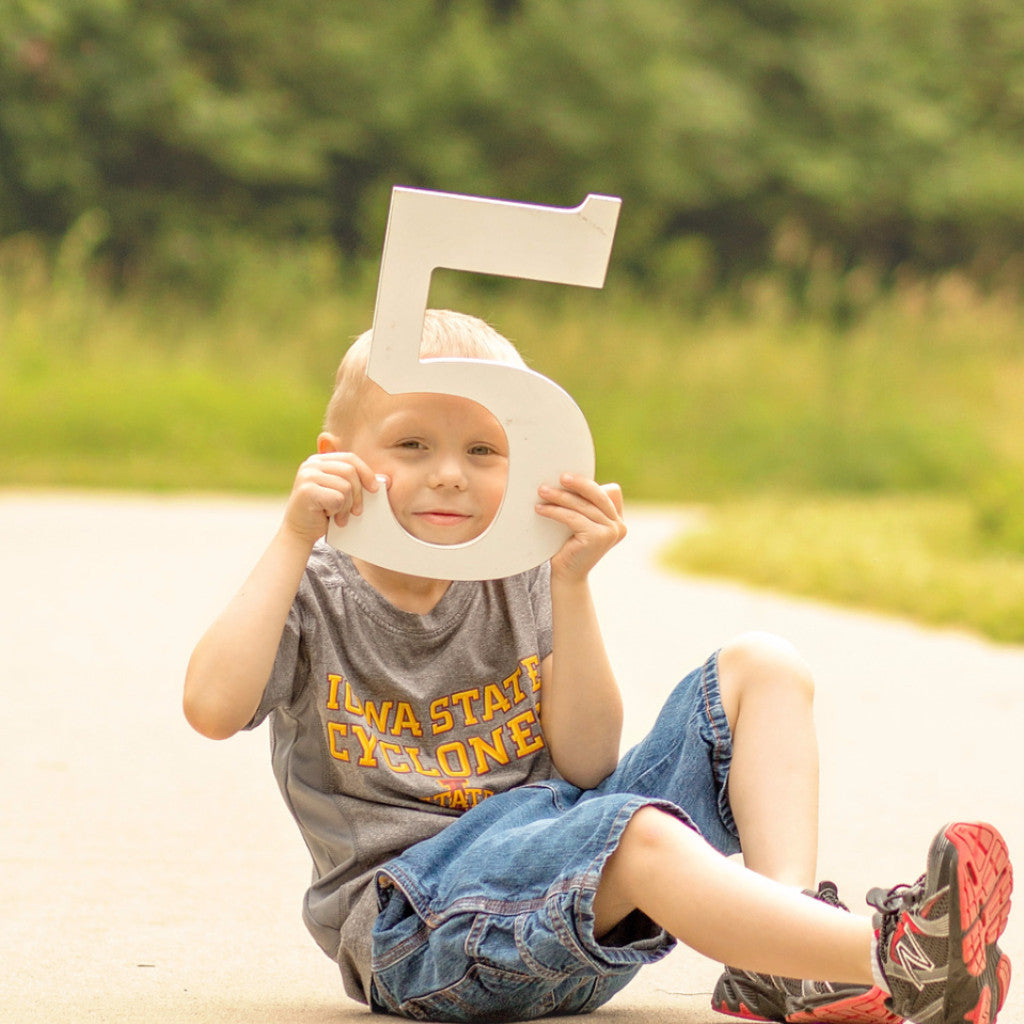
x: 386, y: 724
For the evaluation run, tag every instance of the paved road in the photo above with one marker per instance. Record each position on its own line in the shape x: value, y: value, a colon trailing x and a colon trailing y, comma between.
x: 149, y: 875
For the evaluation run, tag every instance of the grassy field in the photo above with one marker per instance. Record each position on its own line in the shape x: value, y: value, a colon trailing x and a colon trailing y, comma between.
x: 925, y: 557
x: 887, y: 425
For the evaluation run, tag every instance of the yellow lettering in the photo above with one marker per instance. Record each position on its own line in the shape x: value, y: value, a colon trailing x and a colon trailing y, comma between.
x: 458, y: 797
x: 513, y: 680
x: 378, y: 718
x: 464, y: 697
x: 414, y: 756
x: 366, y: 744
x: 351, y: 701
x: 526, y: 742
x: 494, y: 699
x: 384, y: 748
x: 532, y: 666
x: 495, y: 749
x: 334, y: 730
x: 332, y: 699
x: 456, y: 748
x: 442, y: 719
x: 405, y: 718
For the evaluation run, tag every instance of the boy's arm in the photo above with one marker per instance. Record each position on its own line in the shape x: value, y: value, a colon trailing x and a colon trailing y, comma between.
x: 231, y: 664
x: 581, y: 707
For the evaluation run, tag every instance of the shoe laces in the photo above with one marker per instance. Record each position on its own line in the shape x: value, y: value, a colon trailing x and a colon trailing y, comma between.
x: 899, y: 897
x: 828, y: 892
x: 891, y: 903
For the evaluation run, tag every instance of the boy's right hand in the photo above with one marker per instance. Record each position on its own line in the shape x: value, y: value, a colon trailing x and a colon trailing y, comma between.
x: 328, y: 485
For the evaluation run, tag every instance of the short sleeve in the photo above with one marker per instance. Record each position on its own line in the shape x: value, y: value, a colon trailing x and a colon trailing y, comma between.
x: 280, y: 688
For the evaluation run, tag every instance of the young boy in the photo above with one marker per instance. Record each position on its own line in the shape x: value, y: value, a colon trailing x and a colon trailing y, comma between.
x: 450, y: 753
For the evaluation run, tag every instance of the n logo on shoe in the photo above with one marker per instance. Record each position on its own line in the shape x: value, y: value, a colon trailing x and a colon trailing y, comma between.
x: 907, y: 952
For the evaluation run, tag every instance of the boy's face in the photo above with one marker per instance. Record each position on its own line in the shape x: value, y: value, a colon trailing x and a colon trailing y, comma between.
x: 447, y: 458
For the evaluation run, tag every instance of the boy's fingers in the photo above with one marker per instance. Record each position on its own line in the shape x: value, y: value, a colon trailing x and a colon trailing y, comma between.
x: 575, y: 520
x: 367, y: 477
x: 343, y: 464
x: 378, y: 482
x: 581, y: 518
x: 561, y: 497
x: 614, y: 491
x: 580, y: 493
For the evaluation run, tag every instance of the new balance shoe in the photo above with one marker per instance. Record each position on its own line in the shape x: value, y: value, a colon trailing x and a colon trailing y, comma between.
x: 756, y: 996
x: 936, y: 939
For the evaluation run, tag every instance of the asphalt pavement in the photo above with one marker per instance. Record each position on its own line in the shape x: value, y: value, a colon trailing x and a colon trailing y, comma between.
x: 148, y: 874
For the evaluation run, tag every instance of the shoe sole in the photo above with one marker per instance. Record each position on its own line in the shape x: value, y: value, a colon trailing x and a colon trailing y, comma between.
x: 864, y: 1008
x: 741, y: 1010
x: 733, y: 998
x: 977, y: 985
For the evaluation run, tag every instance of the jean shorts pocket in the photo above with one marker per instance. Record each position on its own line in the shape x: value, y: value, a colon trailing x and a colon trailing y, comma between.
x: 483, y: 993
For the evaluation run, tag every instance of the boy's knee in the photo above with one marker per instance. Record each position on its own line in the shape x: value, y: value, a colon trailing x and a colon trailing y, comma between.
x: 762, y: 661
x: 651, y: 835
x: 649, y: 827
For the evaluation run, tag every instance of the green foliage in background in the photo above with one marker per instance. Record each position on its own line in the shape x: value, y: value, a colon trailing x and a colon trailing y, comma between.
x: 816, y: 292
x: 893, y: 133
x: 893, y: 450
x: 929, y: 557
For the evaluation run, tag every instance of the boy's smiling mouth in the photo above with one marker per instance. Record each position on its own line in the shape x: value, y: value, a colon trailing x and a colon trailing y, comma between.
x: 442, y: 517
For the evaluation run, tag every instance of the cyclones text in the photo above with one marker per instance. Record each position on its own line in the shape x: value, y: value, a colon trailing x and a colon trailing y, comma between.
x: 386, y: 737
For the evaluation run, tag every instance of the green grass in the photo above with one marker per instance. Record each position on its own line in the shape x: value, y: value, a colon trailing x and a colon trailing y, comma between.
x: 159, y: 391
x: 925, y: 557
x: 915, y: 391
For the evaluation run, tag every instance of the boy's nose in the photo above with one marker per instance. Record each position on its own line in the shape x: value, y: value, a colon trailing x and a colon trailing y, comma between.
x: 448, y: 472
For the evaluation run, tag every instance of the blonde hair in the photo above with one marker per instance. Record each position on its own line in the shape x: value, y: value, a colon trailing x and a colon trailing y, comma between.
x: 446, y: 334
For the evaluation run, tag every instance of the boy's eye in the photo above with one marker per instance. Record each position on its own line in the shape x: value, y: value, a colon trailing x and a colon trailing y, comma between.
x: 412, y: 444
x: 481, y: 449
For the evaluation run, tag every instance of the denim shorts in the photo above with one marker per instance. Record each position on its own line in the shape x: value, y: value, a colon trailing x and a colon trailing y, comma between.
x: 493, y: 918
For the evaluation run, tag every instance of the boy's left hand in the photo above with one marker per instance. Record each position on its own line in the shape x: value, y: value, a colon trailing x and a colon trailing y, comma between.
x: 594, y: 514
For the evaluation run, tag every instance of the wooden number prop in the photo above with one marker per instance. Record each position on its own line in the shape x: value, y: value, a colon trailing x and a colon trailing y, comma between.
x: 547, y: 433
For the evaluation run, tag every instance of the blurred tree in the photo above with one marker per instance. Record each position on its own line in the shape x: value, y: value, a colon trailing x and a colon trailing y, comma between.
x: 890, y: 132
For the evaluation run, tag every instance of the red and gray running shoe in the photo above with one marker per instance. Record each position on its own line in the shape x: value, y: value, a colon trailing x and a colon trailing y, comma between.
x: 937, y: 938
x: 756, y: 996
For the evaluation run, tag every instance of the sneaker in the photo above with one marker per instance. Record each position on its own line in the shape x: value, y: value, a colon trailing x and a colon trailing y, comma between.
x: 937, y: 938
x: 771, y: 997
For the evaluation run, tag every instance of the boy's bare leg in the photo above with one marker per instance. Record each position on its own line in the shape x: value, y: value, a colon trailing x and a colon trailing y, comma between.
x: 725, y: 911
x: 768, y: 697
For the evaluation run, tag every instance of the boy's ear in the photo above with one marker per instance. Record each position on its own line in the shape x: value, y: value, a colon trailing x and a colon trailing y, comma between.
x: 327, y: 443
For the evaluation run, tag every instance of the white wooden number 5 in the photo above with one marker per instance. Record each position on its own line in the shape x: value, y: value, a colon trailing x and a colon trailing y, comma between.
x: 546, y: 431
